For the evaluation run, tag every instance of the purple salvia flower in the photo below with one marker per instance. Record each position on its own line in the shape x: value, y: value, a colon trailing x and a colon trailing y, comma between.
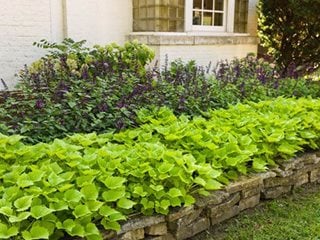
x: 39, y: 104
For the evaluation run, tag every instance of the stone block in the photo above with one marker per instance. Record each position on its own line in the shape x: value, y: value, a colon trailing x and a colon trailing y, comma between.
x: 216, y: 210
x: 140, y: 223
x: 310, y: 167
x: 168, y: 236
x: 225, y: 215
x: 133, y: 235
x: 243, y: 183
x: 180, y: 213
x: 109, y: 234
x: 300, y: 179
x: 194, y: 228
x: 315, y: 175
x: 271, y: 193
x: 278, y: 181
x: 185, y: 220
x: 251, y: 192
x: 156, y: 230
x: 310, y: 158
x: 292, y: 164
x: 282, y: 173
x: 215, y: 197
x: 250, y: 202
x: 266, y: 175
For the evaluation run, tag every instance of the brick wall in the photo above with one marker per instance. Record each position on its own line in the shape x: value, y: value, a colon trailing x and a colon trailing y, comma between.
x: 21, y: 23
x: 99, y: 21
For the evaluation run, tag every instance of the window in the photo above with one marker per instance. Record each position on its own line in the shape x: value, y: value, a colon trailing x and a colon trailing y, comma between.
x: 210, y: 14
x: 158, y: 15
x: 190, y: 15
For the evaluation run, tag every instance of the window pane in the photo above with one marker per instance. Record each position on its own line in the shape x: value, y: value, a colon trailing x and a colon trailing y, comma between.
x: 219, y: 5
x: 218, y: 19
x: 208, y: 4
x: 207, y: 18
x: 196, y: 18
x: 197, y: 4
x: 241, y: 16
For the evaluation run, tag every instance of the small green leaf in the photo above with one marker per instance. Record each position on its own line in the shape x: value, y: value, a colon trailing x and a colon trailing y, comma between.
x: 54, y: 179
x: 7, y: 211
x: 114, y: 182
x: 174, y: 192
x: 139, y: 191
x: 59, y: 206
x: 94, y: 205
x: 68, y: 225
x: 165, y: 167
x: 21, y: 216
x: 90, y: 192
x: 72, y: 196
x: 110, y: 225
x: 40, y: 211
x: 23, y: 203
x: 81, y: 210
x: 200, y: 181
x: 6, y: 233
x: 106, y: 211
x: 38, y: 232
x: 157, y: 188
x: 125, y: 203
x: 165, y: 204
x: 91, y: 229
x: 113, y: 195
x: 78, y: 230
x: 175, y: 202
x: 189, y: 200
x: 213, y: 185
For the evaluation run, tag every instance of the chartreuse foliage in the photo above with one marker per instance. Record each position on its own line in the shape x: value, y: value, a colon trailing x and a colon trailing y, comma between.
x: 85, y: 183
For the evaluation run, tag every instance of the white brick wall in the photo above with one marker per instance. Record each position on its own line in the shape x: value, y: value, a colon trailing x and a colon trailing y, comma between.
x: 21, y: 23
x: 99, y: 21
x: 204, y: 54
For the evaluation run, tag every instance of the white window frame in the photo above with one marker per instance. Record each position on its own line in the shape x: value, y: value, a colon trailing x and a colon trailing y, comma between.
x: 228, y: 21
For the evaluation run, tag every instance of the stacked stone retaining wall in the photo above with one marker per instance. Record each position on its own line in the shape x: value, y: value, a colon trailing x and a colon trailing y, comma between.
x: 224, y: 204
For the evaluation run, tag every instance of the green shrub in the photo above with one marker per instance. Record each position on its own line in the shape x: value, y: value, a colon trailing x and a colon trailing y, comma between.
x: 85, y: 183
x: 76, y: 89
x: 290, y: 30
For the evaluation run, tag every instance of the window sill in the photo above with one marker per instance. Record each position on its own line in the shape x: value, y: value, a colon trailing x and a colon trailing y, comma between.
x: 193, y: 38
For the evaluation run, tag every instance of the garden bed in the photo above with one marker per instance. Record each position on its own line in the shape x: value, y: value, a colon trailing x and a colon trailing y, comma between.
x: 168, y: 169
x: 222, y: 205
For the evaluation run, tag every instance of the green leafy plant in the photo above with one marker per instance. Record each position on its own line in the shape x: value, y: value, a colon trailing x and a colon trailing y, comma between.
x: 77, y: 89
x: 85, y: 183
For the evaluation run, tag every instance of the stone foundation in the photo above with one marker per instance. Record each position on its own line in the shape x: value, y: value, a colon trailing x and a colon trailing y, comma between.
x: 221, y: 205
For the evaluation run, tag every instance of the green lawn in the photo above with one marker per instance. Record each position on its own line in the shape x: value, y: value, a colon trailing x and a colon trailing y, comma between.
x: 296, y: 216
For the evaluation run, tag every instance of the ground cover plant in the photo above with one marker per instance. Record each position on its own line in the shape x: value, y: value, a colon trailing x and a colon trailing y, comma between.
x: 295, y: 216
x: 88, y: 182
x: 77, y: 89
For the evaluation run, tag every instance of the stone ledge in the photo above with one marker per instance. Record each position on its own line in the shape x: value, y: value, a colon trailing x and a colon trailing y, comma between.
x: 156, y: 39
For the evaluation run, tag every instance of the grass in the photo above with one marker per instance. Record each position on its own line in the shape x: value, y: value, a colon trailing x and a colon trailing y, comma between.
x: 293, y: 217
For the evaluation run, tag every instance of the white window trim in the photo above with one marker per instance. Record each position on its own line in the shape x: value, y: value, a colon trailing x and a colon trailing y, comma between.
x: 228, y: 19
